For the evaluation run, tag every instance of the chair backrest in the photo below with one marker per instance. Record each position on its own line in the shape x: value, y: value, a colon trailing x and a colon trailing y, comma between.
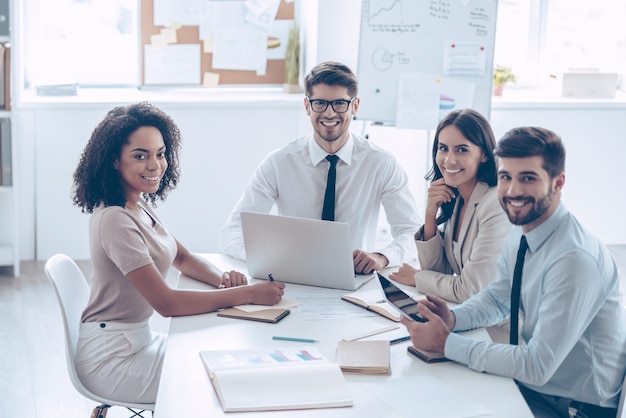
x: 72, y: 293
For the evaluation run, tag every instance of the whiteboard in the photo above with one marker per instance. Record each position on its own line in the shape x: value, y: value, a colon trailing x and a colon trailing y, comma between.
x: 449, y: 41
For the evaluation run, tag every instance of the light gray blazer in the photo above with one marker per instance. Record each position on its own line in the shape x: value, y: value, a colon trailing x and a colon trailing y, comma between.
x: 457, y: 276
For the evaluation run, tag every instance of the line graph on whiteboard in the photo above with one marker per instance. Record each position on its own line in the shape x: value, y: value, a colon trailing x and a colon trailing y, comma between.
x: 391, y: 15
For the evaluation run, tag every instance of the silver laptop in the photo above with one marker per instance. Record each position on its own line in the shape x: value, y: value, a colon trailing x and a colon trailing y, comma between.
x: 298, y: 250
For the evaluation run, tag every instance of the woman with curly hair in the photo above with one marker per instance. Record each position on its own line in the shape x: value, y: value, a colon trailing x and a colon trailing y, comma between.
x: 130, y: 162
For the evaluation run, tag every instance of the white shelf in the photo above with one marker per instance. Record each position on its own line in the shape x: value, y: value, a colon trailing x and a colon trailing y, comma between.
x: 9, y: 207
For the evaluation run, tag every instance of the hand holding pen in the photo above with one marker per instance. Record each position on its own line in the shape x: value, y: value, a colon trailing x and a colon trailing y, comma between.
x: 266, y: 292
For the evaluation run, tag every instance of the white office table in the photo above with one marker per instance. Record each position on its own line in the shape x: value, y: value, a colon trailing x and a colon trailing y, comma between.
x: 186, y: 391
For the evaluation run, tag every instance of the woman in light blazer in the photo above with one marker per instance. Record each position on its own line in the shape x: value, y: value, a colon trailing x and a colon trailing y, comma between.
x: 465, y: 226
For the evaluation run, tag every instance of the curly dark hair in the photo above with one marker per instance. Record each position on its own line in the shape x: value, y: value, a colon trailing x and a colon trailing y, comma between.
x: 95, y: 179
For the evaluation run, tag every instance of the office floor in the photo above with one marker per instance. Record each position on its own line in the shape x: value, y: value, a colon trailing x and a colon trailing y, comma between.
x: 33, y: 376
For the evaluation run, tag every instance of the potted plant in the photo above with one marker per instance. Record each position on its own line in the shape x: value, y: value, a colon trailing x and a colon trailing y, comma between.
x: 292, y: 61
x: 501, y: 76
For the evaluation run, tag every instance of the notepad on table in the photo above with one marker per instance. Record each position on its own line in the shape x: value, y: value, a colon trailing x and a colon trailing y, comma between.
x: 260, y: 313
x: 271, y: 316
x: 364, y: 357
x: 275, y: 379
x: 374, y: 301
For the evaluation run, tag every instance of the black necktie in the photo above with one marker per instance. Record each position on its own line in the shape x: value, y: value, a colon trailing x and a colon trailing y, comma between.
x: 515, y: 289
x: 328, y: 211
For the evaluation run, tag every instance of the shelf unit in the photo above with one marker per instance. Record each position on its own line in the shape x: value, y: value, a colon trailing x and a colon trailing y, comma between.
x: 9, y: 207
x: 9, y: 254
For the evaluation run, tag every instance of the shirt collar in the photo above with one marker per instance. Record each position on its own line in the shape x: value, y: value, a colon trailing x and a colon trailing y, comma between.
x: 318, y: 154
x: 537, y: 236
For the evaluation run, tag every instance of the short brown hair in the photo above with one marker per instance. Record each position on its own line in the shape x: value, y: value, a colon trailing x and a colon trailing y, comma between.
x: 530, y: 142
x: 334, y: 74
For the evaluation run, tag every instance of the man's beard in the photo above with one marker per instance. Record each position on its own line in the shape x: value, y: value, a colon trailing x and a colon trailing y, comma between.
x: 538, y: 209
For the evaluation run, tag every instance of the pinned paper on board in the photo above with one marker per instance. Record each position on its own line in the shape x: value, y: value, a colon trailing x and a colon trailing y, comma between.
x: 169, y: 35
x: 261, y: 12
x: 424, y: 99
x: 244, y: 41
x: 465, y: 59
x: 455, y: 94
x: 184, y: 12
x: 210, y: 79
x: 177, y: 64
x: 237, y: 45
x: 418, y: 101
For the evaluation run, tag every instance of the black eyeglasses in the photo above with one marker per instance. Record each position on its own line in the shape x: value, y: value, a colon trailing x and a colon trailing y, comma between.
x: 338, y: 106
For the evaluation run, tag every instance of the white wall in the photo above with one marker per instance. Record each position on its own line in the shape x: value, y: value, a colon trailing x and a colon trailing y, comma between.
x: 224, y: 144
x: 594, y: 135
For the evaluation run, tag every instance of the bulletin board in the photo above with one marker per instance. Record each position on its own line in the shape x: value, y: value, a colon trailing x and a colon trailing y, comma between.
x: 451, y: 39
x: 189, y: 35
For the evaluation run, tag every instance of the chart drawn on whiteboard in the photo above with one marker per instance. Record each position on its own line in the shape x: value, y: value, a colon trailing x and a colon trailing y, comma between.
x: 450, y: 39
x: 383, y: 59
x: 391, y: 15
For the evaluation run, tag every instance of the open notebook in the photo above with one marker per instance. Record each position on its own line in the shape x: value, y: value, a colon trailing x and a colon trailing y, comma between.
x: 298, y: 250
x: 275, y: 379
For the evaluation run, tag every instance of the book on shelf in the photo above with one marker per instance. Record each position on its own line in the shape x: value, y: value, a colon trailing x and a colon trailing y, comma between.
x: 364, y: 357
x: 427, y: 356
x: 275, y: 379
x: 271, y: 316
x: 374, y: 301
x: 6, y: 166
x: 5, y: 76
x: 2, y: 75
x: 57, y: 89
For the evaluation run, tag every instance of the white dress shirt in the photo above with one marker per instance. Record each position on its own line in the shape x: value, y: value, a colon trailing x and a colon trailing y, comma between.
x: 293, y: 180
x: 570, y: 305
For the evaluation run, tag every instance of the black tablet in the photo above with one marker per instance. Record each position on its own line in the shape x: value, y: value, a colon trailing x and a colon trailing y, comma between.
x: 402, y: 301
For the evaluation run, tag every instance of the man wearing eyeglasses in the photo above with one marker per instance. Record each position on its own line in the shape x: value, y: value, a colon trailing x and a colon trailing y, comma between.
x: 298, y: 178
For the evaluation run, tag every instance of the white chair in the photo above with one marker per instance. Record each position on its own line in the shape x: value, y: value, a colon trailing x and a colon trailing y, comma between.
x: 72, y: 292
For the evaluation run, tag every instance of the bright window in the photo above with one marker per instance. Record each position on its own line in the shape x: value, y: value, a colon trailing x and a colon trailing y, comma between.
x: 541, y: 39
x: 92, y: 42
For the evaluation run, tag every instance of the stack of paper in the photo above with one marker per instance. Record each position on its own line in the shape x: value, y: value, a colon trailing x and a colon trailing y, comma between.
x: 366, y: 357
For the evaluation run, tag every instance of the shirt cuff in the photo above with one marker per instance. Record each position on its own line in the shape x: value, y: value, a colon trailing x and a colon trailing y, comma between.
x: 457, y: 347
x: 463, y: 322
x: 392, y: 256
